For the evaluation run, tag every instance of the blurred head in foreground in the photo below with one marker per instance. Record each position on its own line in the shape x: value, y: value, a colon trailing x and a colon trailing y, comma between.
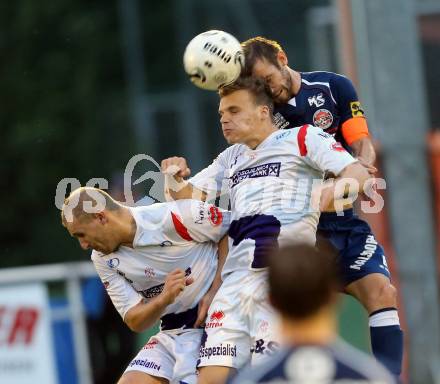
x: 303, y: 288
x: 303, y: 285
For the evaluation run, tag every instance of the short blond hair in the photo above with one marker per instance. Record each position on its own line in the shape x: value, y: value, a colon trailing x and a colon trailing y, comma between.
x: 86, y: 195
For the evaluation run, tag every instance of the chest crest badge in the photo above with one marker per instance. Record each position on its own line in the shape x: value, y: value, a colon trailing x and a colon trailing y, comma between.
x: 322, y: 118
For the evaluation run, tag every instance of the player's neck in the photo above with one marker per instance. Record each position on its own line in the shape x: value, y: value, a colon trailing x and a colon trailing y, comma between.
x: 126, y: 227
x: 260, y: 135
x: 319, y: 329
x: 296, y: 81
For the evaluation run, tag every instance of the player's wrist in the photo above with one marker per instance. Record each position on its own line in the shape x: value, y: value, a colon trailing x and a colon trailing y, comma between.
x: 165, y: 299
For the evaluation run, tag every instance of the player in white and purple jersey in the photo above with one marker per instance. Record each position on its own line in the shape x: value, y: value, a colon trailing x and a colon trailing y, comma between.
x: 269, y: 175
x: 311, y: 350
x: 330, y: 102
x: 157, y: 262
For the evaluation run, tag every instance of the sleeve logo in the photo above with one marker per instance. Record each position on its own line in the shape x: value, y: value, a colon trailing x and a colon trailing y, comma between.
x: 356, y: 110
x: 215, y: 216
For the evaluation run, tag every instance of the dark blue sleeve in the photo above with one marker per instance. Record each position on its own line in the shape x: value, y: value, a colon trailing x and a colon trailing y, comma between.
x: 346, y: 98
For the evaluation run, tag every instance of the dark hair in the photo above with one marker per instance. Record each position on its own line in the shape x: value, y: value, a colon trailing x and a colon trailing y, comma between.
x: 257, y: 87
x: 302, y: 280
x: 259, y: 48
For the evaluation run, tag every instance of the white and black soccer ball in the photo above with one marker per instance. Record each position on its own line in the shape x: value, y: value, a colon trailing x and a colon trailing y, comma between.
x: 213, y: 59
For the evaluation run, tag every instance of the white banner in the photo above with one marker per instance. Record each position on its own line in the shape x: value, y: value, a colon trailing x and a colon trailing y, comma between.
x: 26, y: 348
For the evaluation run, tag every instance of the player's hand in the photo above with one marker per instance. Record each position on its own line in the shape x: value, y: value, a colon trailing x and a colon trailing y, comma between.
x: 370, y: 168
x: 175, y: 283
x: 175, y: 166
x: 204, y: 304
x: 327, y: 195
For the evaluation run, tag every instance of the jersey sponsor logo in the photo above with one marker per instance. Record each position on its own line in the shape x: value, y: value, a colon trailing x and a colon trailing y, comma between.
x: 221, y: 350
x: 264, y: 170
x: 200, y: 213
x: 325, y: 135
x: 215, y: 216
x: 368, y: 252
x: 153, y: 291
x: 215, y: 319
x: 120, y: 273
x: 316, y: 100
x: 157, y: 289
x: 338, y: 147
x: 149, y: 272
x: 145, y: 363
x: 322, y: 118
x: 151, y: 344
x: 166, y: 243
x: 280, y: 121
x: 282, y: 135
x: 265, y: 348
x: 356, y: 109
x: 113, y: 263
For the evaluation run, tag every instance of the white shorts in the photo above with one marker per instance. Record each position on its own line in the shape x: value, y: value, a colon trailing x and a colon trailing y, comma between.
x: 241, y: 326
x: 170, y: 354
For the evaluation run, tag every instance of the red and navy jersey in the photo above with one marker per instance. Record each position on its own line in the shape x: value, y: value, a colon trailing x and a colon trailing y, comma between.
x: 335, y: 363
x: 328, y: 101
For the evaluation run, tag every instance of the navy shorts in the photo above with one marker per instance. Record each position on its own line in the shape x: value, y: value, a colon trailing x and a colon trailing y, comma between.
x: 359, y: 252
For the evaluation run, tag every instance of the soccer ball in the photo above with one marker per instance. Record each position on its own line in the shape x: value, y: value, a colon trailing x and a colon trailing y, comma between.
x: 213, y: 59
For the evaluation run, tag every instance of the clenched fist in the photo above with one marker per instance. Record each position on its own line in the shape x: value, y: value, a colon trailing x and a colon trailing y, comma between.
x: 175, y: 283
x: 175, y: 166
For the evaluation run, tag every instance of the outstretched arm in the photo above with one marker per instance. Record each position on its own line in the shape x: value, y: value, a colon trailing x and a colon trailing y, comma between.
x: 176, y: 187
x: 350, y: 182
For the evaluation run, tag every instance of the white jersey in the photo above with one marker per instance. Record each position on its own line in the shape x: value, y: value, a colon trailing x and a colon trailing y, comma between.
x: 270, y: 189
x: 181, y: 234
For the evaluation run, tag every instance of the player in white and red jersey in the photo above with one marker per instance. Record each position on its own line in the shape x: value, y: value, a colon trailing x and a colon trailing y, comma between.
x: 156, y: 262
x: 269, y: 175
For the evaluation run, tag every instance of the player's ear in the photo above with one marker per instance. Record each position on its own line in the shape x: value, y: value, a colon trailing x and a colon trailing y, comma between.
x: 282, y: 58
x: 101, y: 217
x: 264, y: 111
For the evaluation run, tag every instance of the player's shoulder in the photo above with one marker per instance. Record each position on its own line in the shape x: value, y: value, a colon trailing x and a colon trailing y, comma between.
x: 361, y: 363
x: 96, y: 256
x: 302, y: 137
x: 271, y: 369
x: 301, y: 132
x: 322, y: 76
x: 330, y: 78
x: 102, y: 260
x: 231, y: 152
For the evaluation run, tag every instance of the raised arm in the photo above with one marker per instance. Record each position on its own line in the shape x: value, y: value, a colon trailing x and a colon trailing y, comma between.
x: 322, y: 152
x: 354, y: 125
x: 350, y: 182
x: 205, y: 185
x: 176, y: 170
